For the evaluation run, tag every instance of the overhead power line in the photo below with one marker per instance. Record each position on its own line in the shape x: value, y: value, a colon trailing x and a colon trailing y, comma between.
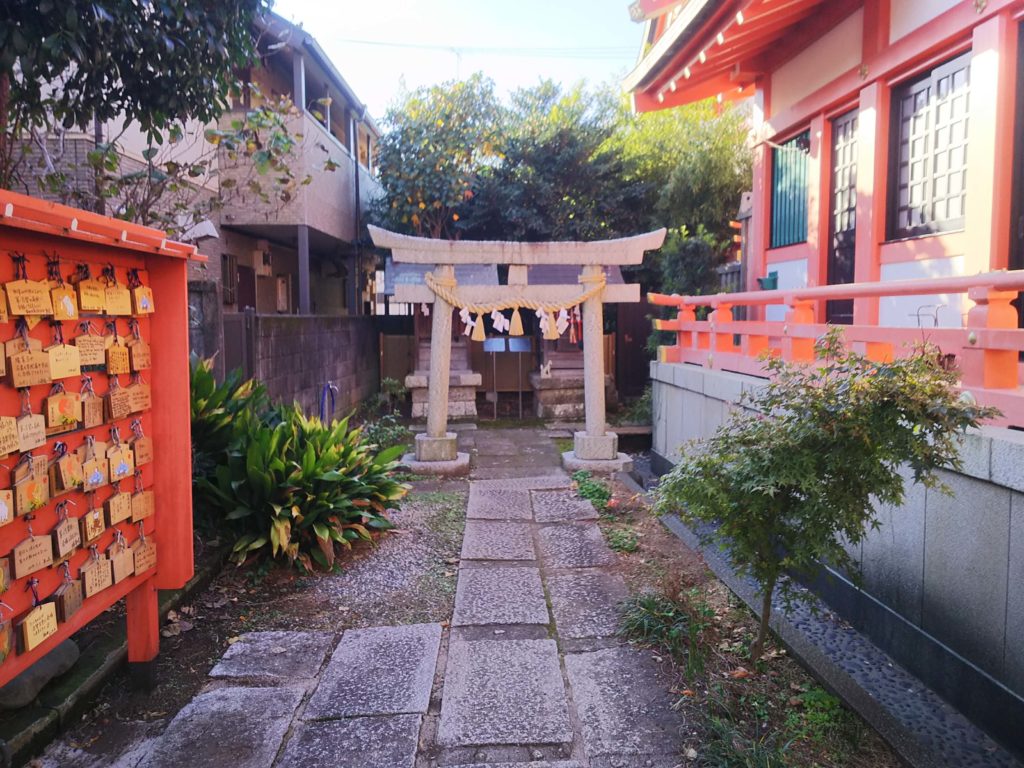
x: 595, y: 52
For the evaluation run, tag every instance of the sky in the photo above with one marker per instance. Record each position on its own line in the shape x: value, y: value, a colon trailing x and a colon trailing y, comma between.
x: 577, y: 39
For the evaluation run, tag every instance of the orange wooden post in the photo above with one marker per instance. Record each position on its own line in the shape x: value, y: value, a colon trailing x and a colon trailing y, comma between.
x: 143, y: 623
x: 723, y: 341
x: 799, y: 350
x: 990, y: 368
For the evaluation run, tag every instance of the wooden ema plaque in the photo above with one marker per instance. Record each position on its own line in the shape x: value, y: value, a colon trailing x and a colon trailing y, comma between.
x: 66, y: 539
x: 68, y: 598
x: 92, y: 350
x: 138, y: 352
x: 39, y: 624
x: 140, y: 397
x: 67, y: 473
x: 5, y: 574
x: 122, y: 462
x: 94, y: 474
x: 142, y: 300
x: 96, y: 576
x: 119, y: 508
x: 6, y: 507
x: 92, y: 295
x: 142, y: 505
x: 119, y: 404
x: 33, y: 554
x: 31, y: 494
x: 143, y: 449
x: 29, y: 368
x: 4, y: 318
x: 31, y: 432
x: 122, y: 563
x: 6, y: 640
x: 28, y: 297
x: 9, y: 441
x: 145, y: 554
x: 64, y: 410
x: 118, y: 300
x: 118, y: 361
x: 65, y: 303
x: 65, y: 361
x: 93, y: 526
x: 93, y: 411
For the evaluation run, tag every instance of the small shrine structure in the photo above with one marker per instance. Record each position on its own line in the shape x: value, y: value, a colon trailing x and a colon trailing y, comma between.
x: 594, y: 448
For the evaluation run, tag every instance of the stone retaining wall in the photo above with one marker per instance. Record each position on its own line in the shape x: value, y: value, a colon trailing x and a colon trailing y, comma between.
x: 296, y: 355
x: 943, y: 578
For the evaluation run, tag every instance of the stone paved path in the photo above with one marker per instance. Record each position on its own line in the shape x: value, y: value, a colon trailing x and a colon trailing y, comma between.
x: 528, y: 675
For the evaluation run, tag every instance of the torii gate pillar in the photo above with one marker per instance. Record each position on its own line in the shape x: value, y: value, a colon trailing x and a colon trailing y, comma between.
x: 595, y: 448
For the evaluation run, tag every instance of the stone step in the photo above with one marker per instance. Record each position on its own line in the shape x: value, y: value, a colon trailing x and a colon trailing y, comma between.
x: 507, y: 692
x: 396, y: 672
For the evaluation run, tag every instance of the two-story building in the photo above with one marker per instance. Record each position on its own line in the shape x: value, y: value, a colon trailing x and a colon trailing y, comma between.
x: 887, y: 196
x: 285, y: 292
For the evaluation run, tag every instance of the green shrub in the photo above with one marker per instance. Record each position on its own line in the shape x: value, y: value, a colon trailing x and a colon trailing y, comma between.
x: 674, y: 627
x: 386, y: 432
x: 639, y: 411
x: 216, y: 408
x: 593, y: 490
x: 621, y: 540
x: 294, y: 487
x: 727, y: 746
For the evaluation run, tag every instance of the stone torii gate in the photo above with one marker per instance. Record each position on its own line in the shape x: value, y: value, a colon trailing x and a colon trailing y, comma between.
x: 595, y: 448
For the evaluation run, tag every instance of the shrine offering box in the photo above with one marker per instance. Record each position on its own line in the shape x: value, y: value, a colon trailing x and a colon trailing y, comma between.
x: 94, y: 413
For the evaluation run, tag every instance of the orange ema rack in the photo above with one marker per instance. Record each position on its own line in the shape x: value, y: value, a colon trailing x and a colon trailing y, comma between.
x: 40, y: 230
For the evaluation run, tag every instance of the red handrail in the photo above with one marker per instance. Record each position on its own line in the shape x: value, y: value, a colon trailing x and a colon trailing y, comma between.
x: 1005, y: 280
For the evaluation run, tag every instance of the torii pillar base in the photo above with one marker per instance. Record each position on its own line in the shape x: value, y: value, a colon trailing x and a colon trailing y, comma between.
x: 573, y: 463
x: 596, y: 453
x: 437, y: 456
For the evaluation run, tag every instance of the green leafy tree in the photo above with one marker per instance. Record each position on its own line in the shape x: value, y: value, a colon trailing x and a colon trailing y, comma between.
x: 153, y: 63
x: 438, y: 140
x: 556, y: 181
x: 784, y: 488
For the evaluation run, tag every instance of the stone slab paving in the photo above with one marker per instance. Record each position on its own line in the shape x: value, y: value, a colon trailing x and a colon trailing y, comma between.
x: 276, y: 657
x: 622, y: 703
x: 557, y: 479
x: 503, y: 692
x: 586, y: 603
x: 362, y: 742
x: 560, y: 507
x: 490, y: 540
x: 378, y: 671
x: 498, y: 504
x: 235, y: 726
x: 489, y: 595
x: 579, y: 545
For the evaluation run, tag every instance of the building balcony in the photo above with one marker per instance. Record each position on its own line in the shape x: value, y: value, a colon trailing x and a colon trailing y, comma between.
x: 330, y: 205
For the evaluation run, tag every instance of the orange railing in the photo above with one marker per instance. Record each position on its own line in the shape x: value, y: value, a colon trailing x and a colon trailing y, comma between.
x: 986, y: 349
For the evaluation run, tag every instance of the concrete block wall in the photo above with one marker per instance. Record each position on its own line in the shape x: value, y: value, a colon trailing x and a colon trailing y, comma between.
x: 296, y: 355
x: 942, y: 573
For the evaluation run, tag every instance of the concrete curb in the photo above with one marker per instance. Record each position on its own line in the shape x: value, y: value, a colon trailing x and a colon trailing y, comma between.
x: 920, y: 726
x: 26, y: 732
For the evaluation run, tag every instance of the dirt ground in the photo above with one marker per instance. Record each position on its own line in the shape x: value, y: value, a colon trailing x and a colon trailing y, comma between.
x: 776, y: 702
x: 407, y: 576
